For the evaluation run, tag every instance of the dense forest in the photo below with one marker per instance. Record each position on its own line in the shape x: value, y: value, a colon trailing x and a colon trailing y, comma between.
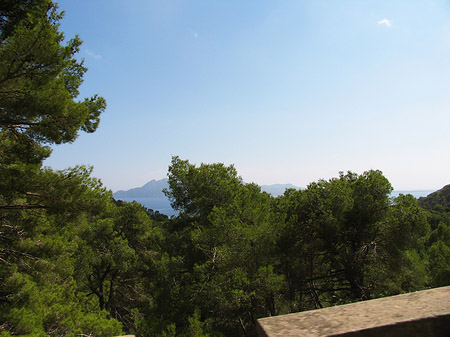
x: 76, y: 262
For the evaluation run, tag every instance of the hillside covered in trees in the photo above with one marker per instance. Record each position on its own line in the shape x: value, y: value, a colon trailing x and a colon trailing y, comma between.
x: 76, y: 262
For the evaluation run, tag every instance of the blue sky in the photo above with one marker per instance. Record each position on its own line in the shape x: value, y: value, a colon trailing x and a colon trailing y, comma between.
x: 287, y: 91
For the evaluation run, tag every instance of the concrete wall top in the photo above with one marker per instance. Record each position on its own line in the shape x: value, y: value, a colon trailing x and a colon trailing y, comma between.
x: 422, y: 313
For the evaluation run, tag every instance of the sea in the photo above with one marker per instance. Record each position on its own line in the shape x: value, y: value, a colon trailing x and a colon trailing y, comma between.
x: 417, y: 194
x: 162, y: 205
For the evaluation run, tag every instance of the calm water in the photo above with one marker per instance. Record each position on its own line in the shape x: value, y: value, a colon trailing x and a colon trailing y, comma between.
x: 163, y: 205
x: 157, y: 204
x: 417, y: 194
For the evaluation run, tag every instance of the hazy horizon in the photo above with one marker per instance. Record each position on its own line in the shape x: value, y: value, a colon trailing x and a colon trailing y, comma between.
x: 395, y: 191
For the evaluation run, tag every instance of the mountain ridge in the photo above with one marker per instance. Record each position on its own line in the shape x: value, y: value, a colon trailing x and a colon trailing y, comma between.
x: 153, y: 189
x: 151, y: 195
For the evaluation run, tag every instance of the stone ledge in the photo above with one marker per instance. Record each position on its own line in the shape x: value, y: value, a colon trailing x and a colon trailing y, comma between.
x: 422, y: 313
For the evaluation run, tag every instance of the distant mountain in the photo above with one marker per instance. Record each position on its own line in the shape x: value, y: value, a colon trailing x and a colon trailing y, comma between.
x: 153, y: 189
x: 151, y: 196
x: 277, y: 189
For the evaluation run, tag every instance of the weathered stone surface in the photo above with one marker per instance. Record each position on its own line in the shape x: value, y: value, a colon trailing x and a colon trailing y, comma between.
x: 422, y: 313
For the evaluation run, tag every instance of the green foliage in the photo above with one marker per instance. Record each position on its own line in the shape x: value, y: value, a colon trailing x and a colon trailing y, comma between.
x: 39, y: 259
x: 225, y: 230
x: 438, y: 201
x: 83, y: 261
x: 330, y: 235
x: 438, y: 204
x: 439, y: 256
x: 54, y: 309
x: 401, y: 263
x: 195, y: 191
x: 343, y: 239
x: 440, y: 264
x: 39, y: 77
x: 243, y: 254
x: 39, y: 208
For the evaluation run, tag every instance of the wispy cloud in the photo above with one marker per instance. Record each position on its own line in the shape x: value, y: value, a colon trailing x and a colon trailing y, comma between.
x: 195, y: 35
x: 92, y: 54
x: 385, y: 22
